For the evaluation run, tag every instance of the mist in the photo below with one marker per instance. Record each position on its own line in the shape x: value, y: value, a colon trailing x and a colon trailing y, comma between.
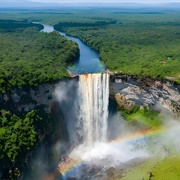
x: 47, y: 155
x: 67, y: 96
x: 121, y: 150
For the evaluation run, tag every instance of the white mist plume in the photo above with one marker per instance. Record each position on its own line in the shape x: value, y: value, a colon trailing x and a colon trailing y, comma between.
x: 65, y: 90
x: 113, y: 153
x: 117, y: 154
x: 171, y: 137
x: 66, y: 94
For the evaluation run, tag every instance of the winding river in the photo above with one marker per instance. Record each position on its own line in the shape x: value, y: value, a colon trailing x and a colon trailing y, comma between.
x: 88, y: 61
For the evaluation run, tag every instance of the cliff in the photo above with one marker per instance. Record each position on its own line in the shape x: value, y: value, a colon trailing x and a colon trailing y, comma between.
x: 50, y: 129
x: 128, y: 91
x: 125, y: 90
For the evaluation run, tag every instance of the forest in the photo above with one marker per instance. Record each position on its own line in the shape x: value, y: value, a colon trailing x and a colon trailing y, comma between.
x: 29, y: 57
x: 142, y: 42
x: 17, y: 137
x: 137, y: 44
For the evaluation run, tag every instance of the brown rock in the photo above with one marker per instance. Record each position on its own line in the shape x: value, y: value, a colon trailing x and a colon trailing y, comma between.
x: 123, y: 102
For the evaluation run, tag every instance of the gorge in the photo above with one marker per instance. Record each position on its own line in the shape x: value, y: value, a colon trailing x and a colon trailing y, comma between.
x: 89, y: 135
x: 91, y: 148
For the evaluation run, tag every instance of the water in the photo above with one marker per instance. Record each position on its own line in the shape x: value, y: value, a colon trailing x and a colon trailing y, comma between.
x: 93, y: 92
x: 88, y: 61
x: 94, y: 100
x: 47, y: 28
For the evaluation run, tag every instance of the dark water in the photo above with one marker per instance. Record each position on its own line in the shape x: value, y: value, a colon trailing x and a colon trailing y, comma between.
x: 88, y: 61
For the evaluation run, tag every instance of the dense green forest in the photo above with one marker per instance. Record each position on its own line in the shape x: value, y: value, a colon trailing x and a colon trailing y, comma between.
x: 17, y: 137
x: 29, y: 57
x: 137, y: 44
x: 132, y: 41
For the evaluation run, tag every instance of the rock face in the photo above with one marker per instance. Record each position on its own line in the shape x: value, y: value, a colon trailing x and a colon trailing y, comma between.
x: 130, y: 92
x: 123, y: 102
x: 52, y: 127
x: 22, y: 100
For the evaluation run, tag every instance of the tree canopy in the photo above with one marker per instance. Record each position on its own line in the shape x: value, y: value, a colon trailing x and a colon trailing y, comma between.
x: 17, y: 136
x: 29, y: 57
x: 136, y: 43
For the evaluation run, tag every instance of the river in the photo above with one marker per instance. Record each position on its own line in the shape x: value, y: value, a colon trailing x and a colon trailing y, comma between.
x: 88, y: 61
x: 93, y: 94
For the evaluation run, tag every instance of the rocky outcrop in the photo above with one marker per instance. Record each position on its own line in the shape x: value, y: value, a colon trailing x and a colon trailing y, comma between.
x: 150, y: 92
x: 123, y: 102
x: 23, y: 100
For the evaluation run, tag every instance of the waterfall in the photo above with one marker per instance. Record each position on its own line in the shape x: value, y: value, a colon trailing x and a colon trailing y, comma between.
x: 94, y: 99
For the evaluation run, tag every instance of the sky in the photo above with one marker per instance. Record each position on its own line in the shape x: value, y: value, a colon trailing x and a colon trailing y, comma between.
x: 19, y: 3
x: 121, y: 1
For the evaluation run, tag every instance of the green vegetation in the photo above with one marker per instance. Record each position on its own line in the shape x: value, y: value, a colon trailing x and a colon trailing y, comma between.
x: 161, y: 168
x: 137, y: 44
x: 29, y: 57
x: 145, y: 116
x: 129, y: 41
x: 17, y: 136
x: 132, y: 41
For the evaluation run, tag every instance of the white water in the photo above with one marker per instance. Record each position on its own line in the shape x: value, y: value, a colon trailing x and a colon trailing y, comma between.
x: 94, y: 99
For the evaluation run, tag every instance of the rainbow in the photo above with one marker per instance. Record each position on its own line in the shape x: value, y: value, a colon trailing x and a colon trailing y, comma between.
x: 70, y: 164
x: 139, y: 135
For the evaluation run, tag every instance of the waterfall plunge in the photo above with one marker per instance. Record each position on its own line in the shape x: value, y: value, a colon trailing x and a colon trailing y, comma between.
x: 94, y: 99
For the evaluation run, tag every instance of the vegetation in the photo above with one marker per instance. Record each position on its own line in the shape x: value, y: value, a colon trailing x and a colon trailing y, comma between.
x: 137, y: 44
x: 145, y: 116
x: 17, y: 136
x: 29, y: 57
x: 132, y: 41
x: 161, y: 168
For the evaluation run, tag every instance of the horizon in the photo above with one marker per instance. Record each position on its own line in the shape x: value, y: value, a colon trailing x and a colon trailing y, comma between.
x: 80, y: 3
